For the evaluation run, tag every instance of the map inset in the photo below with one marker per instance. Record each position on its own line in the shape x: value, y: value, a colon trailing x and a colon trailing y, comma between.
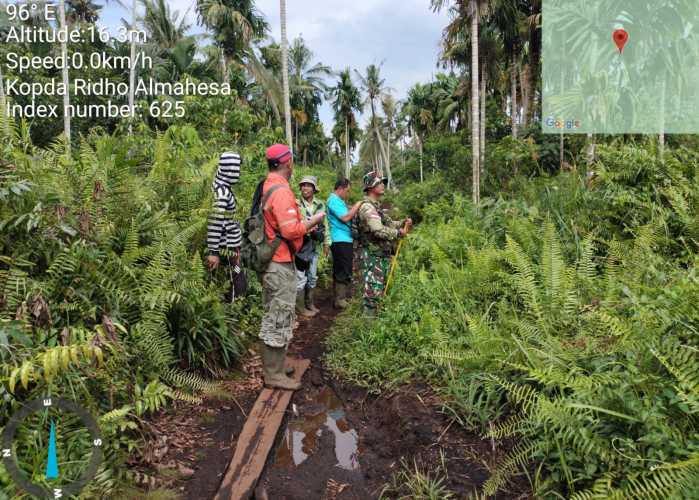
x: 621, y: 66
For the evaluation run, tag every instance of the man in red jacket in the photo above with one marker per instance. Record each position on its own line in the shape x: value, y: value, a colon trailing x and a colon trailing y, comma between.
x: 282, y: 217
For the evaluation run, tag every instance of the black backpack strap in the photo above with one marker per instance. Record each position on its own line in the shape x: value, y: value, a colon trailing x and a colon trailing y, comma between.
x: 255, y: 207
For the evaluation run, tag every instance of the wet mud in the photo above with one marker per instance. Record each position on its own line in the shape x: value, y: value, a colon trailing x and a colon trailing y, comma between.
x: 302, y: 436
x: 337, y: 441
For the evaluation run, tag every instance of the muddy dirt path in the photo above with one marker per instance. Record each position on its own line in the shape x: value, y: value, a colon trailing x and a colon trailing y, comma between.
x: 342, y: 443
x: 337, y: 441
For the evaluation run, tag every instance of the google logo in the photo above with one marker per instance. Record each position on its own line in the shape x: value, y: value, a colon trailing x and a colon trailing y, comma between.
x: 552, y: 122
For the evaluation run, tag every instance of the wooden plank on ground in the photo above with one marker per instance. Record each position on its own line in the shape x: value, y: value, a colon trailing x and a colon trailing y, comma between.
x: 257, y: 438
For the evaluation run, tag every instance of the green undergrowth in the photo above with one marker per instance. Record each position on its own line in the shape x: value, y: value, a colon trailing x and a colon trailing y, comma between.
x: 105, y: 298
x: 561, y: 316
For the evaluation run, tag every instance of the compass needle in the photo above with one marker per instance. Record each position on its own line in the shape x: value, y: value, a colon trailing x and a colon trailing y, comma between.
x: 66, y: 482
x: 52, y: 462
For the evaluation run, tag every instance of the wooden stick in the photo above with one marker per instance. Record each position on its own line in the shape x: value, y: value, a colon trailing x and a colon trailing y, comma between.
x: 395, y: 259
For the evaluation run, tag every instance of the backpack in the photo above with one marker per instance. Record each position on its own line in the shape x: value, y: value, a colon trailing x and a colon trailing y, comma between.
x: 256, y: 251
x: 355, y: 227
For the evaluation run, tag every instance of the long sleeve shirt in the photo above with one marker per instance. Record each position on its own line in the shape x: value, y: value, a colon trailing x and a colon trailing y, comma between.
x: 377, y: 230
x: 224, y: 232
x: 309, y: 209
x: 282, y: 216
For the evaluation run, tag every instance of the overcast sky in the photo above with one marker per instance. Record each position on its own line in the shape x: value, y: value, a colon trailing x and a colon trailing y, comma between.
x: 403, y: 34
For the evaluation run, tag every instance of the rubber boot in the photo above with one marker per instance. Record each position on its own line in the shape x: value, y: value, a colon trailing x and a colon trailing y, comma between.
x: 301, y: 306
x: 273, y: 366
x: 310, y: 305
x: 341, y: 295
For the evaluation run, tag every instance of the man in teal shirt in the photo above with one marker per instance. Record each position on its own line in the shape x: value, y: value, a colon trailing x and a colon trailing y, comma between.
x: 340, y: 220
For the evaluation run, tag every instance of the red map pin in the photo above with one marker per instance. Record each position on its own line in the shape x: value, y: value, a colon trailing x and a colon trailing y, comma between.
x: 620, y: 38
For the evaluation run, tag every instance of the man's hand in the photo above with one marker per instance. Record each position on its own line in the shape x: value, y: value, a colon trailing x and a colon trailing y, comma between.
x: 317, y: 219
x: 326, y: 250
x: 213, y: 261
x: 314, y: 221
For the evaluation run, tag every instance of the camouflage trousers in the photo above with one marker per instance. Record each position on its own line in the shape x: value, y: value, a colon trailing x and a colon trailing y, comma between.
x: 374, y: 268
x: 279, y: 297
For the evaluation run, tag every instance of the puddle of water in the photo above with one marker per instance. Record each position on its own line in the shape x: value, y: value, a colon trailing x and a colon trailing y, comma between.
x: 302, y: 435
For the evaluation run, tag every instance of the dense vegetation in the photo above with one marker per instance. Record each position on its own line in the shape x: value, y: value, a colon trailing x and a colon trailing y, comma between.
x: 556, y: 313
x: 559, y: 315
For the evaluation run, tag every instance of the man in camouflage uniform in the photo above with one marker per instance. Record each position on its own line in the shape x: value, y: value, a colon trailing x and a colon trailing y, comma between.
x: 378, y: 235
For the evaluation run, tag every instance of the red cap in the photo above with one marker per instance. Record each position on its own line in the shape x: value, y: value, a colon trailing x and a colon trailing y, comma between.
x: 278, y: 153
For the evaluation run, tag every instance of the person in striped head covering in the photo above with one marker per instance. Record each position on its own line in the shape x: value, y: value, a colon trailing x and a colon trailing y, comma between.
x: 224, y: 235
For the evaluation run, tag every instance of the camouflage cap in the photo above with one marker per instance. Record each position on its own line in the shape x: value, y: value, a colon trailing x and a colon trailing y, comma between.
x: 373, y: 179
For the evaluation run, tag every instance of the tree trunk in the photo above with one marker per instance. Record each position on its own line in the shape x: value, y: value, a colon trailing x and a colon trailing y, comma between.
x: 375, y: 126
x: 422, y: 177
x: 347, y: 149
x: 535, y: 42
x: 384, y: 155
x: 475, y: 111
x: 296, y: 126
x: 66, y: 79
x: 285, y: 75
x: 132, y: 69
x: 482, y: 120
x: 526, y: 91
x: 224, y: 78
x: 513, y: 93
x: 388, y: 163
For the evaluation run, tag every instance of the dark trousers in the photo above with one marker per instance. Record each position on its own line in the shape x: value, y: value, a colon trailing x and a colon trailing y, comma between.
x: 343, y: 256
x: 237, y: 277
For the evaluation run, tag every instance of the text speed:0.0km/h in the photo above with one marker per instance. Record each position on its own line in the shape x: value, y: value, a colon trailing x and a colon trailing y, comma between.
x: 78, y: 60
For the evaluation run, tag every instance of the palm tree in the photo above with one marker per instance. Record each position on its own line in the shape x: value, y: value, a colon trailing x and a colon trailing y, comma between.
x: 507, y: 18
x: 469, y: 11
x: 66, y: 78
x: 374, y: 86
x: 417, y: 110
x: 307, y: 86
x: 234, y: 23
x: 182, y: 60
x: 285, y: 74
x: 347, y: 101
x: 82, y: 11
x: 475, y: 110
x: 165, y: 28
x: 535, y: 47
x: 388, y: 105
